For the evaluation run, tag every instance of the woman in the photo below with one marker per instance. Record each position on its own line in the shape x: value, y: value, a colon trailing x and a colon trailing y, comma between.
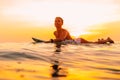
x: 60, y: 33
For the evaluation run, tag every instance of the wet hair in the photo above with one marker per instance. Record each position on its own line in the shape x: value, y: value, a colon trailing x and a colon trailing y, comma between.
x: 60, y: 18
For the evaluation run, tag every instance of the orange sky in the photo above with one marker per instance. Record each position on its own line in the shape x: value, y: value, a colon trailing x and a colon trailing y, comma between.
x: 91, y: 19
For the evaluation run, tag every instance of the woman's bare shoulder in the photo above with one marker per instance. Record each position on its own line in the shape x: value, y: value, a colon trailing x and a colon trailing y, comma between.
x: 55, y: 32
x: 65, y: 30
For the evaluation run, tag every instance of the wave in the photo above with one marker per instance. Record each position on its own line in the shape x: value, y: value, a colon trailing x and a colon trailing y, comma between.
x: 11, y: 55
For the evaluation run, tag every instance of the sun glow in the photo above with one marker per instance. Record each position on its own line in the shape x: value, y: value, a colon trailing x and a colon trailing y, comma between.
x: 78, y: 15
x: 44, y: 12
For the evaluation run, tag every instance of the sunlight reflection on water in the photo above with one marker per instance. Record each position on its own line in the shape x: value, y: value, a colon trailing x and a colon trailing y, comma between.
x: 24, y: 61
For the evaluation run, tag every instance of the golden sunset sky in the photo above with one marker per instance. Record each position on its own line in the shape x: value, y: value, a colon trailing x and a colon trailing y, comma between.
x: 91, y: 19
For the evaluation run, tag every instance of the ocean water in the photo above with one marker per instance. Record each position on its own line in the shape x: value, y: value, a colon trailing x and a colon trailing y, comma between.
x: 27, y: 61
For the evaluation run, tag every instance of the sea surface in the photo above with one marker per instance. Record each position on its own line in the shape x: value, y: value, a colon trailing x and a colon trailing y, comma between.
x: 27, y: 61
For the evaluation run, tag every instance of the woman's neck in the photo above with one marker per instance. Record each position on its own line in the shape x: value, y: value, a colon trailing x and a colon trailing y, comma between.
x: 59, y: 29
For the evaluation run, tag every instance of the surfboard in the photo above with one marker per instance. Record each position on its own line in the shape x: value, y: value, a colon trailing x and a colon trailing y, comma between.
x: 37, y: 40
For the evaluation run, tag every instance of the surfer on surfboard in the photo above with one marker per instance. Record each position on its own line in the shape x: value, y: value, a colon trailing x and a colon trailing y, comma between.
x: 62, y: 34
